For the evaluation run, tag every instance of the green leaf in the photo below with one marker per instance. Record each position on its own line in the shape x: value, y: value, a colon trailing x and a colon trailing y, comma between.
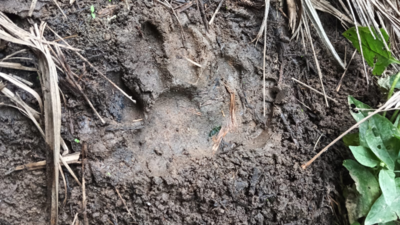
x: 380, y: 213
x: 395, y: 206
x: 378, y: 148
x: 389, y: 223
x: 92, y: 8
x: 388, y: 82
x: 373, y: 49
x: 386, y: 129
x: 388, y: 185
x: 366, y: 184
x: 358, y: 115
x: 351, y: 139
x: 364, y: 156
x: 354, y: 204
x: 388, y: 133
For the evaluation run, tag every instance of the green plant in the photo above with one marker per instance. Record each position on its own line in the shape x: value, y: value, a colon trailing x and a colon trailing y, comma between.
x: 374, y: 50
x: 77, y: 141
x: 92, y: 11
x: 376, y: 194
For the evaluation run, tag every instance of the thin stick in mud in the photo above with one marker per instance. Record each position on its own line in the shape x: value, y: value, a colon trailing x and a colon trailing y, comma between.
x: 313, y: 89
x: 123, y: 201
x: 215, y: 13
x: 344, y: 73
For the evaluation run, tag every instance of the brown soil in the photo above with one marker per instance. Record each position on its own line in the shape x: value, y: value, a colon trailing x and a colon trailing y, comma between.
x: 163, y: 166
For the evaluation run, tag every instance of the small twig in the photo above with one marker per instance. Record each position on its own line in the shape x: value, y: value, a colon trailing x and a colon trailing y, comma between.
x: 316, y: 91
x: 316, y: 143
x: 303, y: 104
x: 264, y: 53
x: 65, y: 38
x: 281, y: 71
x: 123, y: 201
x: 70, y: 159
x: 184, y: 7
x: 16, y: 66
x: 287, y: 125
x: 20, y: 58
x: 12, y: 54
x: 75, y: 218
x: 58, y: 6
x: 193, y: 62
x: 33, y: 5
x: 344, y: 73
x: 216, y: 11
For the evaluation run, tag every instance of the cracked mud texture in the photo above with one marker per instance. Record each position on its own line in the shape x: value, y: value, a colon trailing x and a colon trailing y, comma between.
x: 163, y: 165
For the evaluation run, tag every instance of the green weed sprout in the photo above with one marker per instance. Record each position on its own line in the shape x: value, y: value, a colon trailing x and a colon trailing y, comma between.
x: 92, y: 12
x: 77, y: 141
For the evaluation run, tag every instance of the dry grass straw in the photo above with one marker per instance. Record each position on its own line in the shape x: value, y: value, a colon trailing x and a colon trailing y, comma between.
x: 315, y: 59
x: 312, y: 14
x: 325, y: 6
x: 215, y: 13
x: 315, y: 90
x: 24, y: 87
x: 70, y: 78
x: 67, y: 46
x: 292, y: 13
x: 58, y: 6
x: 13, y: 54
x: 264, y: 23
x: 16, y: 66
x: 70, y: 159
x: 193, y: 62
x: 393, y: 102
x: 261, y: 32
x: 359, y: 40
x: 123, y: 201
x: 344, y: 73
x: 52, y: 105
x: 231, y: 123
x: 33, y: 5
x: 15, y: 100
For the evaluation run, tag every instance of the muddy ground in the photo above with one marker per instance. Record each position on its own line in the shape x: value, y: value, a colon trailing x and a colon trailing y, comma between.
x: 158, y: 153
